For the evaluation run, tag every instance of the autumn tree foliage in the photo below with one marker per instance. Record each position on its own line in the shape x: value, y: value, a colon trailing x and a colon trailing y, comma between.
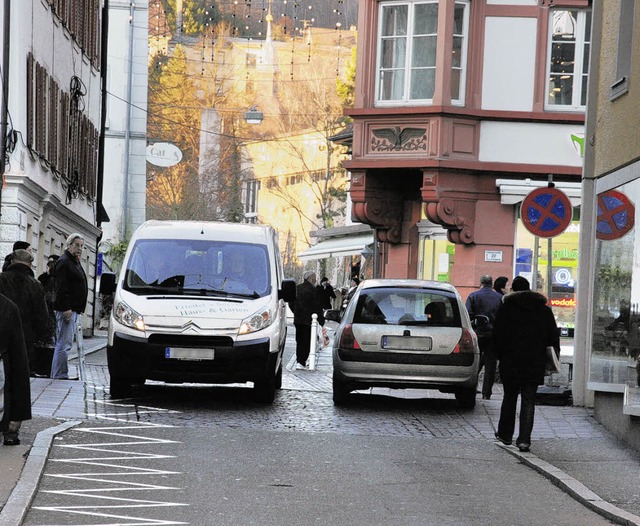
x: 174, y: 117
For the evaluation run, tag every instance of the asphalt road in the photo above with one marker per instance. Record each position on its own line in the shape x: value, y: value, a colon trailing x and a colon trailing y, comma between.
x: 211, y: 456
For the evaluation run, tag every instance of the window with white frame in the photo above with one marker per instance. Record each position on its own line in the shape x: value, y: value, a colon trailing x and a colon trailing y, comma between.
x: 459, y: 52
x: 568, y: 65
x: 407, y: 45
x: 251, y: 188
x: 406, y: 69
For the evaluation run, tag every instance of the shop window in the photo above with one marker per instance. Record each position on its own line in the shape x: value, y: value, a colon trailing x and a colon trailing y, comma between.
x: 407, y: 44
x: 616, y: 296
x: 559, y: 282
x: 568, y: 65
x: 436, y: 260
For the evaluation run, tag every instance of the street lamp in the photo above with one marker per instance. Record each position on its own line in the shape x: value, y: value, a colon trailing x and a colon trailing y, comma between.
x: 253, y: 116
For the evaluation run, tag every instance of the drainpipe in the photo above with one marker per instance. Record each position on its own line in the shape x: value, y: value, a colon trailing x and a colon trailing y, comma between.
x: 586, y: 269
x: 104, y: 37
x: 127, y: 129
x: 103, y: 115
x: 6, y: 33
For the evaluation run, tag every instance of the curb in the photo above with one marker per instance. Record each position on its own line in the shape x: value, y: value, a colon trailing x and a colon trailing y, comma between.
x: 15, y: 509
x: 575, y: 489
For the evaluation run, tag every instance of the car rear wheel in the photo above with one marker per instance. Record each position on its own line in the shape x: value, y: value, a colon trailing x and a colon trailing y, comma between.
x: 466, y: 398
x: 340, y: 392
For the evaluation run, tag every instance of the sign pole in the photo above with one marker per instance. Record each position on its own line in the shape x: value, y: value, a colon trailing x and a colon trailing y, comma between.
x: 550, y: 252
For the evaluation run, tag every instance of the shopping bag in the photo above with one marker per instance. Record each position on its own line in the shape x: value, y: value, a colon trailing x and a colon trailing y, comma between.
x: 552, y: 364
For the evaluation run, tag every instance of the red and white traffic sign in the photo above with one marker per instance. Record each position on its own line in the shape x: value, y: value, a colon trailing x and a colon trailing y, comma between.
x: 546, y: 212
x: 616, y: 215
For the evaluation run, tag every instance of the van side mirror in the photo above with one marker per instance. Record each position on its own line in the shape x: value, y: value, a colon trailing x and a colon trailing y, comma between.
x: 107, y: 283
x: 287, y: 290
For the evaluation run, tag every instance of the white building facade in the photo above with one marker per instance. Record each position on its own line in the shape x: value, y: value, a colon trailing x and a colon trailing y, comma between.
x: 53, y: 109
x: 124, y: 195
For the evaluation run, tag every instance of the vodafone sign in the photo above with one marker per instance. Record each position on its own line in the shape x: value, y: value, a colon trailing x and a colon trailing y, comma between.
x: 163, y: 154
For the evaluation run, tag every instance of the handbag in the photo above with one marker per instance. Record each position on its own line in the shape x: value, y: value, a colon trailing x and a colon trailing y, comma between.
x: 552, y: 363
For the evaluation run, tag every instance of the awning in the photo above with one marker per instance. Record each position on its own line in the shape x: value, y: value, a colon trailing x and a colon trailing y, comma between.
x: 337, y: 246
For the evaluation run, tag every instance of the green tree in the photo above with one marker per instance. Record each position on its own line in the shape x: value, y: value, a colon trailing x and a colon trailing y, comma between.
x: 347, y: 87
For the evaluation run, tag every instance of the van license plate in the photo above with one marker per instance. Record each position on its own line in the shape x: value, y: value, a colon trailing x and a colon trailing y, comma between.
x: 185, y: 353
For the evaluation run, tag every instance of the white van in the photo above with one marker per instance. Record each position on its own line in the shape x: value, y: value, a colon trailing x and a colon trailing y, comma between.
x: 199, y: 302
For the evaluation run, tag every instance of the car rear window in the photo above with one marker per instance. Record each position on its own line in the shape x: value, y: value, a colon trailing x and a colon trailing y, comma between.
x: 408, y: 306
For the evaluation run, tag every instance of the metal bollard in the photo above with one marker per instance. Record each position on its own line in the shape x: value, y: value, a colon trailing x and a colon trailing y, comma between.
x: 314, y: 342
x: 80, y: 346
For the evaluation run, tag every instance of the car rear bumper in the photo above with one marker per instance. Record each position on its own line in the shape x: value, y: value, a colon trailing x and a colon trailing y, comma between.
x: 134, y: 358
x: 395, y: 370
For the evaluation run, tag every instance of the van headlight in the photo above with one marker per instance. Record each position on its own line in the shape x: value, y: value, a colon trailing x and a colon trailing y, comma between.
x: 127, y: 316
x: 256, y: 322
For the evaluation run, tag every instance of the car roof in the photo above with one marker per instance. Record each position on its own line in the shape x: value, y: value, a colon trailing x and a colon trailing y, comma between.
x: 408, y: 283
x: 206, y: 230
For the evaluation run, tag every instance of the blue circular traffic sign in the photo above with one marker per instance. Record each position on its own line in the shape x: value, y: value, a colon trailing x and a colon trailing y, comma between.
x: 546, y: 212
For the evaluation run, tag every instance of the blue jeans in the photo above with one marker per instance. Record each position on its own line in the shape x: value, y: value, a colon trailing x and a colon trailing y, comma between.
x: 65, y: 331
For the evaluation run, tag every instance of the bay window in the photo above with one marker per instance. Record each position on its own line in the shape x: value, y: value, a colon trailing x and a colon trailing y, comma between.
x: 568, y: 64
x: 407, y: 47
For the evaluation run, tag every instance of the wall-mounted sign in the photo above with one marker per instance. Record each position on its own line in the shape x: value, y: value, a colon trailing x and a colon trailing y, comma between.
x: 494, y: 256
x: 163, y: 154
x: 616, y: 215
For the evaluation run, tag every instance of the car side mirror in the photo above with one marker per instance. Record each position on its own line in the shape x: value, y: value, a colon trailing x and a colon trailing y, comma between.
x: 287, y: 290
x: 107, y: 283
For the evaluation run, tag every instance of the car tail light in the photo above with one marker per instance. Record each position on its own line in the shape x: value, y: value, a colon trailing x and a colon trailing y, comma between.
x: 465, y: 345
x: 347, y: 339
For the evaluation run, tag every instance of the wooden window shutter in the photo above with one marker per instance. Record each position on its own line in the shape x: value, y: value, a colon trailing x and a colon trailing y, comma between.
x: 30, y: 110
x: 64, y: 134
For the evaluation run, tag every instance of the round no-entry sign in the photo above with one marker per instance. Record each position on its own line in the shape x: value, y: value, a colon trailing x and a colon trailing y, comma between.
x: 616, y: 215
x: 546, y: 212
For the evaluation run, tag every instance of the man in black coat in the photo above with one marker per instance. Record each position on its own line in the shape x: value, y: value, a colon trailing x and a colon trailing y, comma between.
x: 70, y: 299
x: 307, y: 303
x: 15, y: 389
x: 523, y: 329
x: 482, y: 306
x: 19, y: 285
x: 16, y: 246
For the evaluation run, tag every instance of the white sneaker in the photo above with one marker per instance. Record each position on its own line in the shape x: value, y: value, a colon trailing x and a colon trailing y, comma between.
x: 300, y: 367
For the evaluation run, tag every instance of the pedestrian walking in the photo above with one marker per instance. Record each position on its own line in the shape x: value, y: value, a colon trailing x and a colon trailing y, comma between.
x: 500, y: 285
x: 18, y: 245
x: 19, y: 285
x: 327, y: 293
x: 523, y: 329
x: 70, y: 299
x: 15, y: 389
x: 482, y: 306
x: 307, y: 303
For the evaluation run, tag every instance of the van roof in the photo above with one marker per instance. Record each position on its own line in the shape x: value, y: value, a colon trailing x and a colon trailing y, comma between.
x: 214, y: 230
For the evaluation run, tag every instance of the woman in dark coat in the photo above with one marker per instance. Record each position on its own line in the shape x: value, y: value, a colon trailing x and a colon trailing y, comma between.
x: 523, y: 329
x: 17, y: 387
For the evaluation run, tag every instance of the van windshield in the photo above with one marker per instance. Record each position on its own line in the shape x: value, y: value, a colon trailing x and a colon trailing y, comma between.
x: 185, y: 266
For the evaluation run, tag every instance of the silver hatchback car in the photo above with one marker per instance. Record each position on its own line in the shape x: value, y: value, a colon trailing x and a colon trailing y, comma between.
x: 403, y: 333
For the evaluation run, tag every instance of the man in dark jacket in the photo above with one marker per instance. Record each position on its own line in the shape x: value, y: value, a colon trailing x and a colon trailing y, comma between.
x: 18, y: 245
x: 15, y: 389
x: 70, y: 299
x: 523, y: 329
x: 307, y: 302
x: 482, y: 306
x: 18, y: 284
